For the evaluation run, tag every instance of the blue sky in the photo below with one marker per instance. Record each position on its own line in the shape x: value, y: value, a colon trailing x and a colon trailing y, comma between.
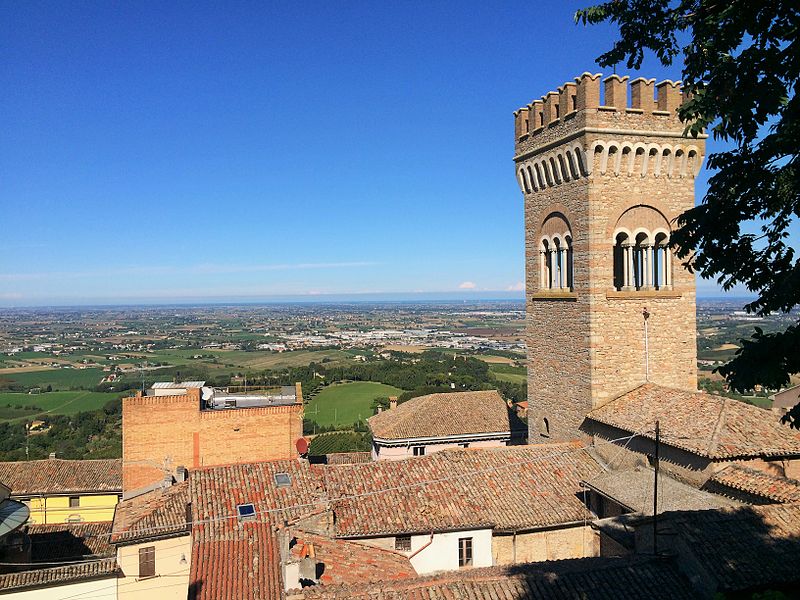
x: 172, y: 152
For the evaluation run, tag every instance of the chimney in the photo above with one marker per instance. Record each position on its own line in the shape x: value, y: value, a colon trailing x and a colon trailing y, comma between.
x: 380, y: 409
x: 392, y: 402
x: 52, y: 456
x: 298, y: 392
x: 180, y: 474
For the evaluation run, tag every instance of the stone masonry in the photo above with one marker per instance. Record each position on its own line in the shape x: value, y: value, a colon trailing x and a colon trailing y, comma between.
x: 161, y: 433
x: 596, y: 168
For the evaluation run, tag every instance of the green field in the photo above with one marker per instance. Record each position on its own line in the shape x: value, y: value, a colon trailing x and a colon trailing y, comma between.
x: 509, y: 373
x: 241, y: 360
x: 346, y: 403
x: 58, y: 403
x: 60, y: 379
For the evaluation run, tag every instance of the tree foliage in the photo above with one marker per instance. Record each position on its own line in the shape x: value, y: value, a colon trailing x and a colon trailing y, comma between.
x: 741, y: 67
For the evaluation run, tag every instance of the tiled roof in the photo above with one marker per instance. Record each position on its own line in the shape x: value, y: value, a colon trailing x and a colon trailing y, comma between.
x: 69, y: 542
x: 441, y: 415
x: 742, y: 548
x: 508, y: 488
x: 634, y: 490
x: 348, y: 562
x: 596, y: 578
x: 348, y: 458
x: 233, y: 560
x: 160, y: 513
x: 106, y: 567
x: 756, y: 483
x: 700, y: 423
x: 56, y: 476
x: 242, y: 566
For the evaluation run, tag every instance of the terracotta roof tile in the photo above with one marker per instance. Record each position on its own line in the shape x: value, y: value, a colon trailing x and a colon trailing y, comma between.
x: 634, y: 490
x: 106, y: 567
x: 56, y: 476
x: 156, y: 514
x: 597, y: 578
x: 700, y: 423
x: 347, y: 562
x: 239, y: 560
x: 348, y: 458
x: 440, y: 415
x: 70, y: 541
x: 742, y: 548
x: 756, y: 483
x: 508, y: 488
x: 243, y: 567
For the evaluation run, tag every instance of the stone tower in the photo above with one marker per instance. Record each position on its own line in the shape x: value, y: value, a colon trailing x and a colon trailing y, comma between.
x: 603, y: 182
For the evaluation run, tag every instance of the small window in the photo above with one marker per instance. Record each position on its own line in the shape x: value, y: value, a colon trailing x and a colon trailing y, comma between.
x: 545, y: 427
x: 402, y: 543
x: 283, y: 480
x: 464, y: 444
x: 465, y: 552
x: 246, y: 512
x: 419, y: 450
x: 74, y: 501
x: 147, y: 561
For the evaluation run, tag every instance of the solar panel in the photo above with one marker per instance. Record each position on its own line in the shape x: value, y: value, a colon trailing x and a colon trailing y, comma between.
x: 246, y: 511
x: 283, y: 480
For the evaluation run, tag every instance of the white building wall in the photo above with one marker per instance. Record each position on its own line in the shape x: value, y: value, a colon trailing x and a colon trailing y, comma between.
x: 442, y: 553
x: 403, y: 452
x: 96, y: 589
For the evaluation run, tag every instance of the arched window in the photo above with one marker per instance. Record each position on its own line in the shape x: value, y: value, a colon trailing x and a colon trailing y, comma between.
x: 642, y: 259
x: 556, y: 260
x: 622, y: 248
x: 662, y: 265
x: 545, y: 430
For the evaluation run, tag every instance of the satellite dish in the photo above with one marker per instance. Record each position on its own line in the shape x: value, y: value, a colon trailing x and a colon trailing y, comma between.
x: 302, y: 445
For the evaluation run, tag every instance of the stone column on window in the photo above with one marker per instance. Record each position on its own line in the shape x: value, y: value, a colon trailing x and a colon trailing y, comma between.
x: 628, y: 279
x: 563, y: 270
x: 667, y: 268
x: 542, y: 269
x: 648, y: 266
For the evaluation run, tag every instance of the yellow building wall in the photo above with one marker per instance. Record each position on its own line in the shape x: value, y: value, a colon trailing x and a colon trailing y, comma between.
x: 171, y: 581
x: 553, y: 544
x: 56, y: 509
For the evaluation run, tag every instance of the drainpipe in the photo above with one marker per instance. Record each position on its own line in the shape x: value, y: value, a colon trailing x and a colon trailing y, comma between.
x: 514, y: 547
x: 428, y: 543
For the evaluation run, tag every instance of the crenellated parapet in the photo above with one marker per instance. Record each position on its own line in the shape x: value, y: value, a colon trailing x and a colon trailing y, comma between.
x: 595, y: 127
x: 584, y: 94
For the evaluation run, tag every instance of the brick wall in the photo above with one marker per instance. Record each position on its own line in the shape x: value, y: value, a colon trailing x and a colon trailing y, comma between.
x: 586, y: 345
x: 171, y: 431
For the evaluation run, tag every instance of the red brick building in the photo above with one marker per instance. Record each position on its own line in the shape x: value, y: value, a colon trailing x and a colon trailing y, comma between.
x: 161, y: 433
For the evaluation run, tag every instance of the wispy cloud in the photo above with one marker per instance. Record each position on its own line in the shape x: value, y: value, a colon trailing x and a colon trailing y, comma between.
x: 516, y: 287
x: 201, y: 269
x: 466, y: 285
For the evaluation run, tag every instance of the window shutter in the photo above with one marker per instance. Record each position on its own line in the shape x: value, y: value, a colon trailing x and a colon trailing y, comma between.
x: 147, y: 561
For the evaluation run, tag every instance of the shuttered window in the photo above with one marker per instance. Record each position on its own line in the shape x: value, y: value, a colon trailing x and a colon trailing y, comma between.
x: 147, y: 561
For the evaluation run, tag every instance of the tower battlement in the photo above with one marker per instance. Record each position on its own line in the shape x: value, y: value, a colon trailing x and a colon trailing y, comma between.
x: 584, y: 94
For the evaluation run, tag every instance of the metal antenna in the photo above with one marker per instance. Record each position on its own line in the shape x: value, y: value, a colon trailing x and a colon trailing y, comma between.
x: 655, y: 490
